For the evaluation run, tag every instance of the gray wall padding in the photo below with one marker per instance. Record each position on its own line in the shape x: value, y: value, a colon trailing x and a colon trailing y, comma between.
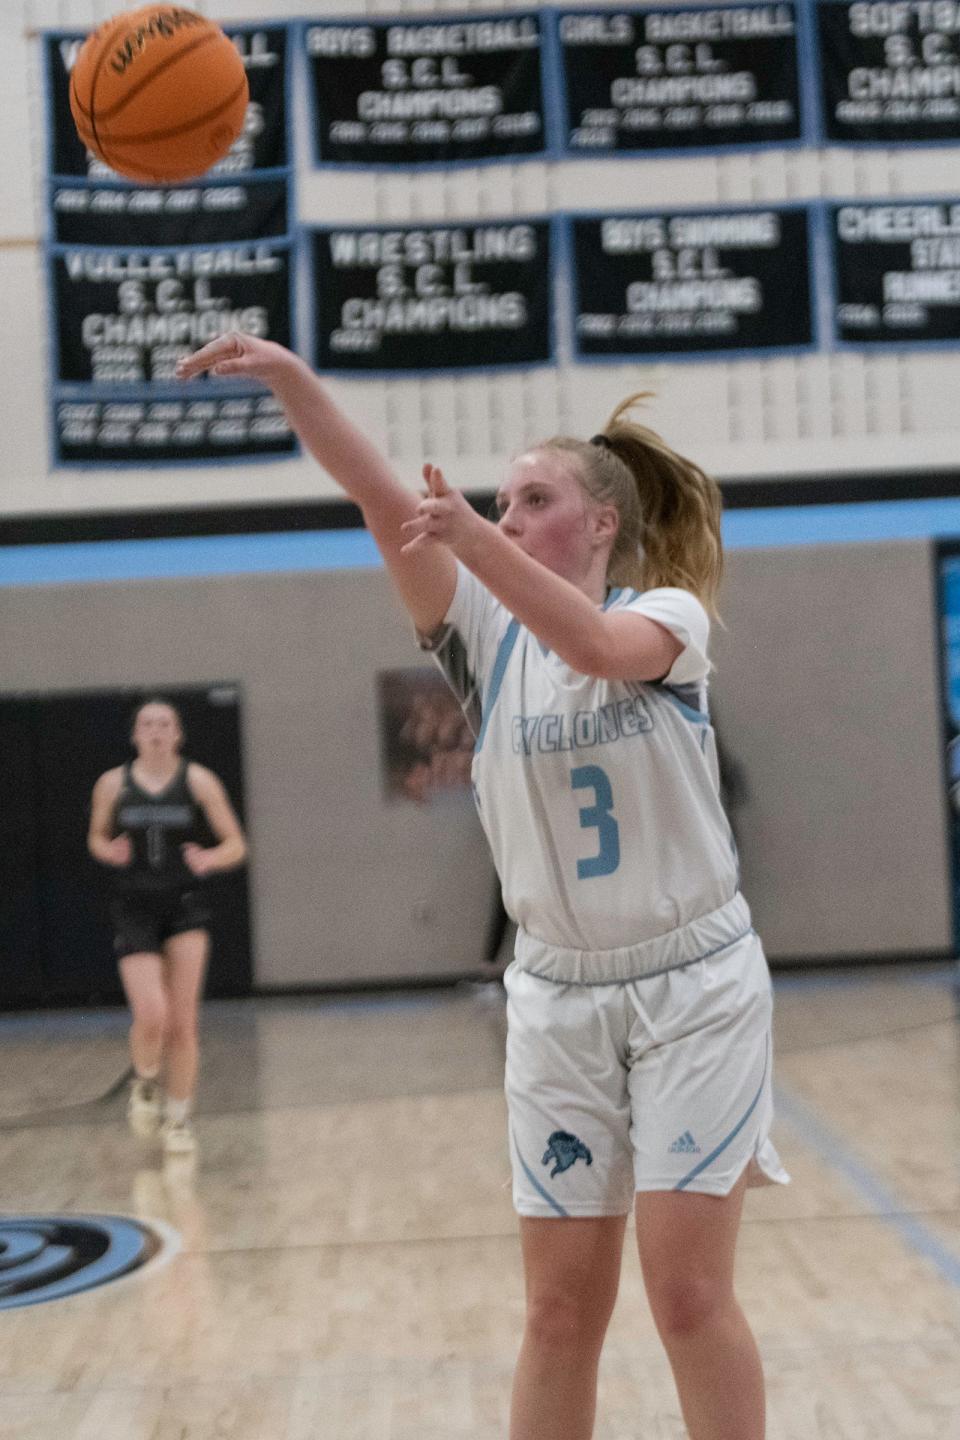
x: 826, y: 692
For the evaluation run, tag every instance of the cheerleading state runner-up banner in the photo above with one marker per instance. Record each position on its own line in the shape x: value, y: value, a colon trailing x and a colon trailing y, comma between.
x: 428, y: 91
x: 896, y: 272
x: 140, y: 275
x: 889, y: 70
x: 432, y: 298
x: 679, y: 79
x: 691, y: 283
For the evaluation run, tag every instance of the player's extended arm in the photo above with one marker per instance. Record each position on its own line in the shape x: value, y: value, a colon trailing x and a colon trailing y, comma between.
x: 592, y: 642
x: 426, y: 582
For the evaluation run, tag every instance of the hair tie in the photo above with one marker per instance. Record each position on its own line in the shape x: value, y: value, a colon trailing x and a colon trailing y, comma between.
x: 602, y: 441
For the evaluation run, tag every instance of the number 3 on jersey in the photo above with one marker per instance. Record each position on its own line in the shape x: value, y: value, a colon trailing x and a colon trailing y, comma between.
x: 597, y: 816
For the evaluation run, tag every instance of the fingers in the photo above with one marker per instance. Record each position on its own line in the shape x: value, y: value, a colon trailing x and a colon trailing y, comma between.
x: 223, y: 356
x: 436, y: 482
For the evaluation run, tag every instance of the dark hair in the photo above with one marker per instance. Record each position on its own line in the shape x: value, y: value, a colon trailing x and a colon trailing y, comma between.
x: 155, y: 700
x: 669, y: 509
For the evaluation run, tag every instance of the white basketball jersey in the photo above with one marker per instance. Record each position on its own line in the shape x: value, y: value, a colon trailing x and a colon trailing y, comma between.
x: 600, y: 798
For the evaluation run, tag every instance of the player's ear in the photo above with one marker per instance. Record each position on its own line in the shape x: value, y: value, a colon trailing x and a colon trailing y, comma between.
x: 606, y: 523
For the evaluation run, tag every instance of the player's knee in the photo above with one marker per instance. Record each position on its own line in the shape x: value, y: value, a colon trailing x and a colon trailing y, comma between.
x: 151, y: 1022
x: 562, y: 1324
x: 181, y: 1030
x: 683, y: 1304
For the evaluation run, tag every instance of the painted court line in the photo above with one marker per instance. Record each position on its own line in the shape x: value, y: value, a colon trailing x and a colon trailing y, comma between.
x: 885, y: 1202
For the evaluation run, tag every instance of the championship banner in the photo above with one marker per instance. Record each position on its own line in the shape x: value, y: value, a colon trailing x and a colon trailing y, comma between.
x: 444, y: 297
x: 140, y: 275
x: 263, y: 144
x: 680, y: 78
x: 438, y: 91
x: 125, y: 316
x: 889, y: 72
x: 896, y: 272
x: 141, y: 432
x: 123, y: 319
x: 727, y: 282
x: 201, y: 214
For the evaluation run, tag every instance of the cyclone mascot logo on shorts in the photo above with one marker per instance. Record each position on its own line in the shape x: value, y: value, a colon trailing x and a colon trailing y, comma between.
x: 564, y: 1150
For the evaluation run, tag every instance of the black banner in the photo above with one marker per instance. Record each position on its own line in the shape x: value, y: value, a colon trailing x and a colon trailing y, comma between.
x: 138, y: 432
x: 418, y: 92
x: 897, y: 272
x: 679, y: 79
x: 115, y: 215
x: 125, y: 317
x: 689, y: 283
x: 444, y: 297
x: 889, y: 70
x: 261, y: 146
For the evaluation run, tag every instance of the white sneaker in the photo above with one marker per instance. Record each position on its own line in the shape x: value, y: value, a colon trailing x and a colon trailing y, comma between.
x: 145, y: 1108
x: 178, y: 1137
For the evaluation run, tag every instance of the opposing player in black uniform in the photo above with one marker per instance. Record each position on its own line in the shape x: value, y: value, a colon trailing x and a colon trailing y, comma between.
x: 145, y: 820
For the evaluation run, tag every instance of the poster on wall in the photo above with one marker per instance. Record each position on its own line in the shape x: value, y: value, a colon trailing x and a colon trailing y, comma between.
x: 896, y: 272
x: 443, y: 297
x: 139, y: 275
x: 426, y: 91
x: 691, y: 283
x: 679, y: 79
x: 889, y: 73
x: 426, y: 745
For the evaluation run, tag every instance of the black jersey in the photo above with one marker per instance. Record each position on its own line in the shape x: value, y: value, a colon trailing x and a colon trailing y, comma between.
x: 158, y: 825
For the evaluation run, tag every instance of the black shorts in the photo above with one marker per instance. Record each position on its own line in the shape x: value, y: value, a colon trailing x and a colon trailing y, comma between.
x: 142, y: 922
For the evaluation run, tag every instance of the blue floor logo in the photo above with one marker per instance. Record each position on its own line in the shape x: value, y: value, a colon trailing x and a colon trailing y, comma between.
x: 46, y: 1257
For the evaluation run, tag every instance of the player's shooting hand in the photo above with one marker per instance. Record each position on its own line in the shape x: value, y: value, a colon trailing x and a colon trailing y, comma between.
x: 236, y: 354
x: 444, y: 516
x: 119, y: 851
x: 197, y: 860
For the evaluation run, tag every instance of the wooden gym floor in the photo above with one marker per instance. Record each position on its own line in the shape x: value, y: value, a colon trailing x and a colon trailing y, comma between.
x: 348, y: 1266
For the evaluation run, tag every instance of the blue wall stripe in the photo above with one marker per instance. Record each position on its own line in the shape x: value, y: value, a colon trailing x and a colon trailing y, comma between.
x: 888, y: 1206
x: 192, y: 555
x: 354, y: 549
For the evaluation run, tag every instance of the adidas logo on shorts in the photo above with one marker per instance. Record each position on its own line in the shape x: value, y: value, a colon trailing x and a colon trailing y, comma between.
x: 685, y: 1145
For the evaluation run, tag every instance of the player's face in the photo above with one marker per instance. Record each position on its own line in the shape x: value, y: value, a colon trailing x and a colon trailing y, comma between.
x: 156, y: 731
x: 543, y: 508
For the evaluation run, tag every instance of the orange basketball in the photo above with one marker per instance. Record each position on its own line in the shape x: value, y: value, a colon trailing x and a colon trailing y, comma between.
x: 159, y: 94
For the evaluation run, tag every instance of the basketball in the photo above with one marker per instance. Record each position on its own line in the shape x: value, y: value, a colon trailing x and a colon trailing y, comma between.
x: 159, y: 94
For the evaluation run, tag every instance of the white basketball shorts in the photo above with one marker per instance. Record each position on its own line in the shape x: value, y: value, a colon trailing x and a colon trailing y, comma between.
x: 662, y: 1083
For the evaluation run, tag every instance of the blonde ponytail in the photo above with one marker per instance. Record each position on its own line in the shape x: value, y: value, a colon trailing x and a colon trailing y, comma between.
x: 669, y: 509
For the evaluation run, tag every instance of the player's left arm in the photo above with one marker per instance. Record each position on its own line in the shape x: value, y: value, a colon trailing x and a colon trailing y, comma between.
x: 231, y: 849
x: 610, y: 646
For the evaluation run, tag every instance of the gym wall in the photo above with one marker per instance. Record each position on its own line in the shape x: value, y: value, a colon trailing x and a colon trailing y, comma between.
x: 825, y: 694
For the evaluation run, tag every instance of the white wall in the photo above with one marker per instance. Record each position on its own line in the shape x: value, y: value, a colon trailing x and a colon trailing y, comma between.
x: 802, y: 415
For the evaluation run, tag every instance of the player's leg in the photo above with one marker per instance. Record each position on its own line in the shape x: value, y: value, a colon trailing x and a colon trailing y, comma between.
x: 700, y: 1092
x: 571, y: 1272
x: 687, y: 1244
x: 186, y: 961
x: 141, y: 974
x: 566, y: 1086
